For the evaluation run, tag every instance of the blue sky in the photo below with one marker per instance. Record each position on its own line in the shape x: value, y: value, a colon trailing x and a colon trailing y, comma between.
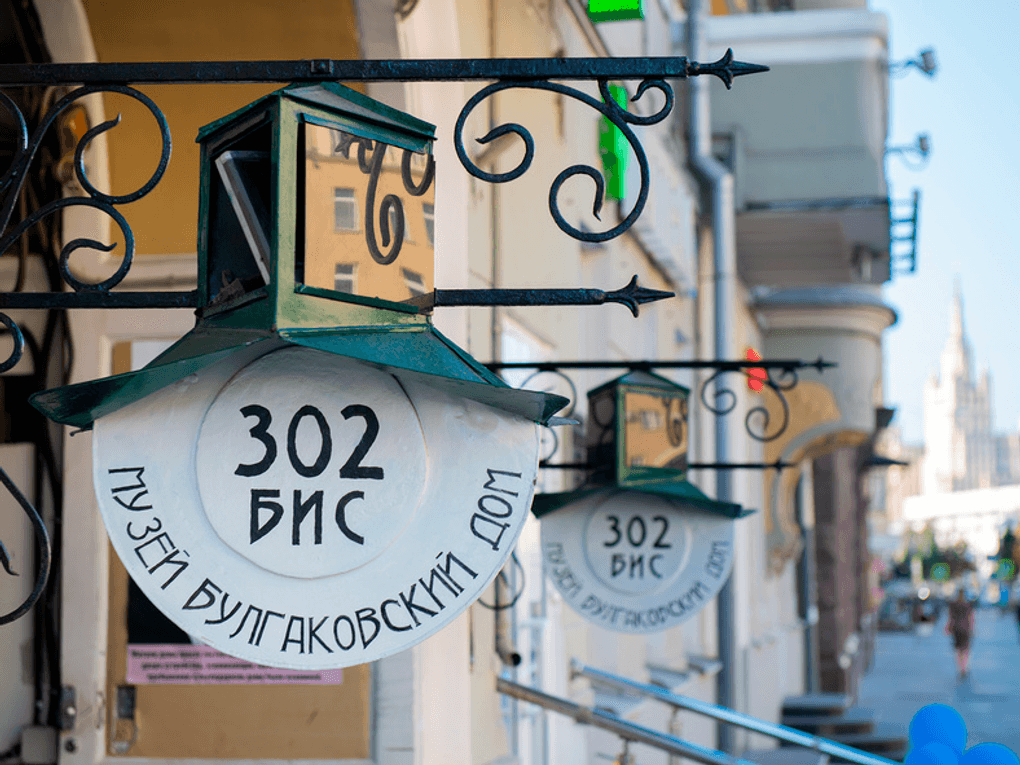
x: 970, y: 196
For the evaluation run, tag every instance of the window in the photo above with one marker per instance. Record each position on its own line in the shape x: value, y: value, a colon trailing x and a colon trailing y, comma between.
x: 414, y: 281
x: 393, y: 224
x: 345, y: 210
x: 345, y: 278
x: 429, y: 213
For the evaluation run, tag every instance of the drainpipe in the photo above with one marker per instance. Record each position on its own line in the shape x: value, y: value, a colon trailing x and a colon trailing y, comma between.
x: 717, y: 180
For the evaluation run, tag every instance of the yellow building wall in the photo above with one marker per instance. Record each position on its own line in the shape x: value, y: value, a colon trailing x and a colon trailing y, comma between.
x: 165, y: 221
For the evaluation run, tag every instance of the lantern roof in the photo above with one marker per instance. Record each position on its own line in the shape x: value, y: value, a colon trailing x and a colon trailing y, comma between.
x: 343, y: 102
x: 680, y: 491
x: 422, y: 354
x: 639, y: 377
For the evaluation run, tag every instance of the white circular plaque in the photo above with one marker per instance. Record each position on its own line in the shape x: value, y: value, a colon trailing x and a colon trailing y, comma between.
x: 298, y: 509
x: 636, y: 562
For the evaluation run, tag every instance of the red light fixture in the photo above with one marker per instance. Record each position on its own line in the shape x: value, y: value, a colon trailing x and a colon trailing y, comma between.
x: 756, y: 376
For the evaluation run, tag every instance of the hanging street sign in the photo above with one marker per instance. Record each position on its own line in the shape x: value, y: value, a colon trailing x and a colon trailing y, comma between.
x: 635, y: 562
x: 313, y: 477
x: 637, y: 548
x: 308, y: 511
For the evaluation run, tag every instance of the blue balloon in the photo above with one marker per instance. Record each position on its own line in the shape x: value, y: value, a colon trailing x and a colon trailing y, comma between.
x: 941, y: 724
x: 989, y: 754
x: 933, y: 753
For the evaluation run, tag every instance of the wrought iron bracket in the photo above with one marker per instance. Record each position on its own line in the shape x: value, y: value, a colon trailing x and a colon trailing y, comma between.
x: 79, y: 80
x: 394, y: 70
x: 777, y: 376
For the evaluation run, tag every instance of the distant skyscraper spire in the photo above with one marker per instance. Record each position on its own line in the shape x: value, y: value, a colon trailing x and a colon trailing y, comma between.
x: 956, y: 317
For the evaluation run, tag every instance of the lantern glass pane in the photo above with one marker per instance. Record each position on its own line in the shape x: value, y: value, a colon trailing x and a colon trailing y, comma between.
x: 352, y: 199
x: 655, y: 431
x: 240, y: 212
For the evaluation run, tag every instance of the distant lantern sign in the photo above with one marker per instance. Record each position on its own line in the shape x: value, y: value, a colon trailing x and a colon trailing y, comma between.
x: 313, y: 477
x: 638, y: 549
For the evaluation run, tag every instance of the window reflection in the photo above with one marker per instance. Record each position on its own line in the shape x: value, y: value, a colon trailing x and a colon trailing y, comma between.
x: 361, y: 216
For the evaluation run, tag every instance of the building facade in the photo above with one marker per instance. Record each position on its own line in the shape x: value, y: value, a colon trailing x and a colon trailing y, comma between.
x: 810, y: 244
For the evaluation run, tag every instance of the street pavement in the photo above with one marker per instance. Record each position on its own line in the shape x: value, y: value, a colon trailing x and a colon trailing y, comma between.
x: 914, y: 669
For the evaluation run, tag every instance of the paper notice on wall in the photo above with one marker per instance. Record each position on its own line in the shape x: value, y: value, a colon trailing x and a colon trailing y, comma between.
x: 186, y: 664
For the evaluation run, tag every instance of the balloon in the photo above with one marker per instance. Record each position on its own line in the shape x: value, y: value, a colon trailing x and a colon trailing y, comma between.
x: 941, y: 724
x: 989, y: 754
x: 933, y: 753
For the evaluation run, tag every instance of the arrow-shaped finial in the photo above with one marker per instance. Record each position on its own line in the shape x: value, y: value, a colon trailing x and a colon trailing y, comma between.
x: 725, y: 68
x: 632, y: 295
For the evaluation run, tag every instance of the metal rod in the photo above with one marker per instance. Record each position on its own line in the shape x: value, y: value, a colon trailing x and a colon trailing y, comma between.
x: 628, y: 731
x: 98, y: 299
x: 777, y: 465
x: 631, y: 296
x: 781, y: 732
x: 396, y: 70
x: 649, y: 365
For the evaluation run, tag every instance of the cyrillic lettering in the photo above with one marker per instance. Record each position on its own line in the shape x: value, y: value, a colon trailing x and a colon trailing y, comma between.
x: 300, y: 639
x: 265, y: 621
x: 162, y: 539
x: 491, y: 483
x: 336, y: 635
x: 411, y: 606
x: 341, y: 516
x: 203, y: 589
x: 258, y: 502
x: 301, y: 509
x: 138, y: 487
x: 386, y: 618
x: 171, y: 559
x: 433, y: 575
x: 450, y: 560
x: 367, y: 615
x: 501, y: 526
x: 244, y: 619
x: 224, y: 616
x: 489, y: 511
x: 146, y: 531
x: 313, y: 634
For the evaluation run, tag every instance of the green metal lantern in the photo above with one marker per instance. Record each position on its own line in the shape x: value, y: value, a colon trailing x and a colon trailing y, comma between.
x: 316, y: 229
x: 637, y: 439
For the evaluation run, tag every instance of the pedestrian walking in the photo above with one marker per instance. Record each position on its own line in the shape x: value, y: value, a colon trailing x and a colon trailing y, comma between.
x: 961, y: 627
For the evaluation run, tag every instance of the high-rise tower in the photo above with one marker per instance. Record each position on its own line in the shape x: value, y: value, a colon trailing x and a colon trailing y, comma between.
x: 959, y: 445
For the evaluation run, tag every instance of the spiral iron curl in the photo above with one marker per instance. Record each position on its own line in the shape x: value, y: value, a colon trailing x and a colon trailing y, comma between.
x: 758, y: 420
x: 43, y: 550
x: 608, y: 107
x: 14, y: 179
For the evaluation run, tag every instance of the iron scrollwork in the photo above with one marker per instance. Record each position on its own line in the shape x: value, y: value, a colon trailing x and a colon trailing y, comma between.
x: 758, y: 420
x: 42, y: 551
x: 88, y: 79
x: 608, y: 107
x: 14, y: 178
x: 779, y: 376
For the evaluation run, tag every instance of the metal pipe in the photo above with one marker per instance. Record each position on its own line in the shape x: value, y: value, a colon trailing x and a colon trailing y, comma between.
x: 625, y: 730
x: 719, y: 181
x: 781, y: 732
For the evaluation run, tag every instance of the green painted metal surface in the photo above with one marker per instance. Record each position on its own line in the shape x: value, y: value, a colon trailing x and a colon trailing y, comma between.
x: 423, y: 354
x: 614, y: 150
x: 681, y: 491
x: 615, y: 10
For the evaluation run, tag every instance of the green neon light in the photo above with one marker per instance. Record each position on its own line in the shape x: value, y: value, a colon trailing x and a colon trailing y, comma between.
x: 614, y: 150
x: 615, y: 10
